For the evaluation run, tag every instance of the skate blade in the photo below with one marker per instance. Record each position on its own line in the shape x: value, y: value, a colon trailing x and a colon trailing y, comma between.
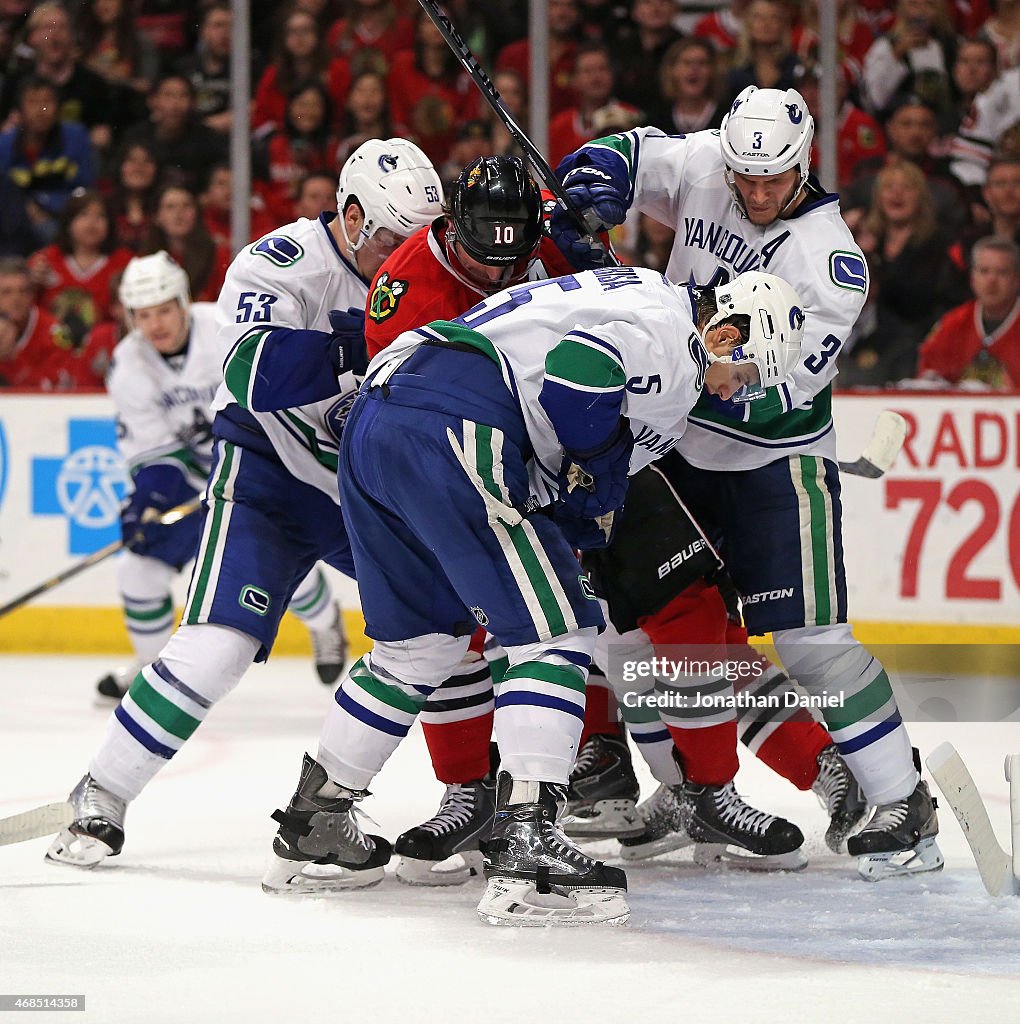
x: 926, y: 856
x: 305, y: 877
x: 605, y: 819
x: 656, y: 847
x: 723, y: 857
x: 515, y: 902
x: 455, y: 870
x: 78, y: 850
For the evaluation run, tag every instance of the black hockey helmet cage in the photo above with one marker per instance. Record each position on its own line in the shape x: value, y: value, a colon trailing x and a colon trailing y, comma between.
x: 496, y: 212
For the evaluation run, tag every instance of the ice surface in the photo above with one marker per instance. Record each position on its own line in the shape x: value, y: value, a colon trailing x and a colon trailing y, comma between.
x: 177, y: 928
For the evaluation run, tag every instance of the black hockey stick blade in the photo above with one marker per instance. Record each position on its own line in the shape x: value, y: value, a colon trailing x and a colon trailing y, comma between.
x: 881, y: 451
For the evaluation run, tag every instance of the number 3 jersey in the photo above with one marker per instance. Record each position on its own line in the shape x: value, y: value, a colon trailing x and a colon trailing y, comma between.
x: 277, y: 294
x: 576, y: 353
x: 163, y: 403
x: 680, y: 181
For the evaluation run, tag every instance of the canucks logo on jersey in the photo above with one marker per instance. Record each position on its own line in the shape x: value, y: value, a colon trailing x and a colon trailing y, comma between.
x: 386, y: 297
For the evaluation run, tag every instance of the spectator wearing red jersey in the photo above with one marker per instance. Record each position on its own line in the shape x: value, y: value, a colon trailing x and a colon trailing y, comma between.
x: 35, y: 351
x: 372, y: 34
x: 722, y: 26
x: 366, y: 114
x: 563, y: 40
x: 133, y: 197
x: 979, y: 340
x: 179, y: 230
x: 854, y: 37
x: 303, y: 144
x: 859, y: 136
x: 301, y: 56
x: 216, y: 202
x: 430, y: 94
x: 596, y: 112
x: 73, y: 274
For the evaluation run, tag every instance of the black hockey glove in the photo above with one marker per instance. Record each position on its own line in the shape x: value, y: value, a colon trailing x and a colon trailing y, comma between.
x: 348, y: 351
x: 593, y: 483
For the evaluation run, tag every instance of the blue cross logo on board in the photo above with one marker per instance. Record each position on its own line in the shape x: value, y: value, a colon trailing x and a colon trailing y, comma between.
x: 86, y: 485
x: 4, y: 463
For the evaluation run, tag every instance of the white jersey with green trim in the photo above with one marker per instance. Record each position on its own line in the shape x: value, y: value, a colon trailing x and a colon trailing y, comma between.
x: 621, y: 335
x: 680, y: 181
x: 292, y: 278
x: 164, y: 403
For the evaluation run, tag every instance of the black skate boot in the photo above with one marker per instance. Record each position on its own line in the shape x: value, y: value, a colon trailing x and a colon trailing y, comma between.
x: 899, y: 839
x: 115, y: 684
x: 329, y: 649
x: 841, y: 796
x: 457, y: 829
x: 665, y: 819
x: 603, y: 791
x: 729, y: 832
x: 97, y: 831
x: 319, y: 846
x: 536, y: 876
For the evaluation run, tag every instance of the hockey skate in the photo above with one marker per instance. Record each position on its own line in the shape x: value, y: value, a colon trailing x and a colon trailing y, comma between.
x: 115, y: 684
x: 603, y: 791
x: 97, y: 831
x: 729, y: 833
x: 319, y: 847
x: 665, y: 820
x: 535, y: 875
x: 329, y: 649
x: 454, y: 833
x: 899, y: 839
x: 841, y: 796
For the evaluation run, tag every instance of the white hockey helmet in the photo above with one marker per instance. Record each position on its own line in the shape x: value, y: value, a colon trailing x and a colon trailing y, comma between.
x: 151, y: 281
x: 395, y: 185
x: 776, y: 327
x: 767, y: 132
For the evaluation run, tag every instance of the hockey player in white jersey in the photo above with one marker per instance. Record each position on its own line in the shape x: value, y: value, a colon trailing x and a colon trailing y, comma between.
x: 270, y: 504
x: 165, y: 374
x: 742, y: 199
x: 480, y: 452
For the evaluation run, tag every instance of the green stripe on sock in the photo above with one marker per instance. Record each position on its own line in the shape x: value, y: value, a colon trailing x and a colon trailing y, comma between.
x: 640, y: 714
x: 163, y: 712
x: 560, y: 675
x: 809, y: 470
x: 858, y: 707
x: 390, y: 695
x: 165, y: 609
x: 315, y: 598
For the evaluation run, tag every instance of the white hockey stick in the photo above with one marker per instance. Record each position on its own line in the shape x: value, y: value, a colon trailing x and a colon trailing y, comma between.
x: 40, y: 821
x: 881, y: 451
x: 994, y: 864
x: 1013, y: 778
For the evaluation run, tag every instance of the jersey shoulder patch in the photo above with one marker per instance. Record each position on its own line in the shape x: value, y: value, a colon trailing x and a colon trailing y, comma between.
x: 848, y: 270
x: 280, y: 250
x: 386, y: 295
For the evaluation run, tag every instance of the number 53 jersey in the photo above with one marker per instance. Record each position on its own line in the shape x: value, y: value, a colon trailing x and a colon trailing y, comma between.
x: 287, y: 281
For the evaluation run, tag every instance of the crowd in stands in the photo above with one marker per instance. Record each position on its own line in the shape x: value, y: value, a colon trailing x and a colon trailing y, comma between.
x: 115, y: 121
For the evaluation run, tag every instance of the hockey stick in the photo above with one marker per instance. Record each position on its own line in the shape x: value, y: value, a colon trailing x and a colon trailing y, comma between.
x: 168, y: 518
x: 40, y: 821
x: 543, y: 171
x: 957, y: 785
x: 880, y: 453
x: 1012, y: 768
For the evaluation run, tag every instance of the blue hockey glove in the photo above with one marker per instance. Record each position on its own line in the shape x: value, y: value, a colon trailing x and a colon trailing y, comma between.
x: 593, y: 192
x: 138, y: 536
x: 593, y: 483
x: 348, y: 351
x: 173, y: 543
x: 584, y: 534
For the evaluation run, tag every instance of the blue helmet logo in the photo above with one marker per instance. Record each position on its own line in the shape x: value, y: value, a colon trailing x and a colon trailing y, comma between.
x: 796, y: 317
x: 796, y: 114
x: 387, y: 163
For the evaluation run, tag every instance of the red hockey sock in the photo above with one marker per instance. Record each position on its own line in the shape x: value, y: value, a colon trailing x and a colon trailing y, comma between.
x: 709, y: 754
x: 792, y: 749
x: 600, y: 710
x: 460, y: 750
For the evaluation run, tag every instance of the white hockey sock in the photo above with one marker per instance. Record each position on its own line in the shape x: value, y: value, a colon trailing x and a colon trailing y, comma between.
x: 144, y: 585
x: 167, y: 702
x: 313, y: 601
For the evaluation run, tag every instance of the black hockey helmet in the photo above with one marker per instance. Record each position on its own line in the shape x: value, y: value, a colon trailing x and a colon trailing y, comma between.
x: 496, y: 216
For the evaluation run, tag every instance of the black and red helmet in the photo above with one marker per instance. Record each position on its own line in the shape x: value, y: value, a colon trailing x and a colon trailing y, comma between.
x: 496, y: 215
